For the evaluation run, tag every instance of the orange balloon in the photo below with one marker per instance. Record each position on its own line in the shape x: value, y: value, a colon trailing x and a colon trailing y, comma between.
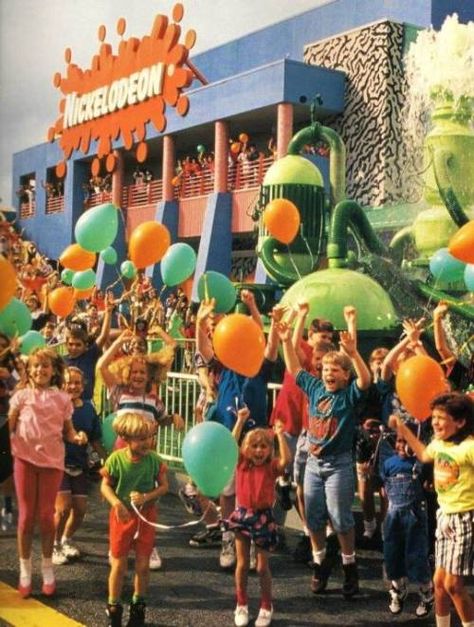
x: 239, y: 344
x: 61, y: 301
x: 8, y: 282
x: 243, y: 137
x: 83, y: 294
x: 148, y: 243
x: 282, y: 219
x: 235, y: 147
x: 175, y: 181
x: 419, y: 379
x: 76, y: 258
x: 461, y: 244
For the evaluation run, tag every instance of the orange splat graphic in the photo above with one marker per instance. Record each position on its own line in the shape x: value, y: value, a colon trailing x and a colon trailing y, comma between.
x: 130, y: 122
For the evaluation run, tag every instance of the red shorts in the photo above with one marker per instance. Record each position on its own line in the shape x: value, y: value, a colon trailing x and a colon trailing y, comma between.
x: 121, y: 534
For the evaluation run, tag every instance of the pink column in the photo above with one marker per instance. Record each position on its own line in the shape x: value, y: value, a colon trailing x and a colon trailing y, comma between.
x: 168, y: 167
x: 117, y: 179
x: 284, y: 128
x: 221, y: 152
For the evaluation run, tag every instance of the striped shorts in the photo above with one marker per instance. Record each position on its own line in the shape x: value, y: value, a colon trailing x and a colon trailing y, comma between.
x: 455, y: 542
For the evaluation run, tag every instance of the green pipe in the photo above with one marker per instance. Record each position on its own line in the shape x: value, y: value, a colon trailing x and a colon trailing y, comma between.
x: 441, y: 160
x: 284, y: 276
x: 349, y: 213
x: 459, y: 306
x: 337, y: 155
x: 399, y: 241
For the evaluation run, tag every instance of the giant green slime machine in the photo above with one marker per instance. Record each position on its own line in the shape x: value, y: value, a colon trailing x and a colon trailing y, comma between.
x: 319, y: 265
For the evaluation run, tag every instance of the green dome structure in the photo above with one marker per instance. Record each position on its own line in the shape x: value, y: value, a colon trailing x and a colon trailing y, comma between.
x: 293, y: 170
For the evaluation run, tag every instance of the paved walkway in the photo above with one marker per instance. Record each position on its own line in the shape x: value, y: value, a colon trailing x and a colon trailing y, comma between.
x: 191, y: 590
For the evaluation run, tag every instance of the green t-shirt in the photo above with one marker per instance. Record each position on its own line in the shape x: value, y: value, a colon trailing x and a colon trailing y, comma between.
x: 128, y: 476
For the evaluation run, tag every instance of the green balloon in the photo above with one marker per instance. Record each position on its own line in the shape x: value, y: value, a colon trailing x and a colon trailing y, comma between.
x: 178, y: 264
x: 215, y: 285
x: 84, y: 280
x: 109, y: 255
x: 15, y: 318
x: 128, y: 270
x: 108, y: 434
x: 30, y: 341
x: 200, y: 149
x: 67, y: 275
x: 210, y: 455
x: 97, y: 227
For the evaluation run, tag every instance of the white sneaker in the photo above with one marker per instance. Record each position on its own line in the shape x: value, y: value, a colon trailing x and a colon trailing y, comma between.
x: 155, y: 560
x: 59, y: 557
x: 69, y: 549
x: 397, y: 596
x: 227, y: 556
x: 264, y: 617
x: 253, y: 556
x: 241, y: 616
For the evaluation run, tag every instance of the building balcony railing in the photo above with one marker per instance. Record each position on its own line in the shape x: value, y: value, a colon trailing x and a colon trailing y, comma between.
x: 54, y: 204
x: 98, y: 198
x: 27, y: 209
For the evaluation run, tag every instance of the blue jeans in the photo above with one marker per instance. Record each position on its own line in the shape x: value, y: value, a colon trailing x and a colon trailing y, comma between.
x: 329, y: 487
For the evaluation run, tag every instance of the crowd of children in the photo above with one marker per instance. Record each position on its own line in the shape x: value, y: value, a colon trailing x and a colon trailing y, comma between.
x: 336, y: 420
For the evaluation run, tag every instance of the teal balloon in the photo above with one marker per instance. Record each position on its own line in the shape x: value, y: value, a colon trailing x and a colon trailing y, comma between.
x: 128, y: 270
x: 108, y: 434
x: 445, y: 267
x: 30, y: 341
x: 84, y: 280
x: 178, y: 264
x: 109, y: 255
x: 200, y: 149
x: 469, y: 277
x: 15, y: 318
x: 218, y: 287
x: 210, y: 455
x: 97, y: 228
x: 67, y: 276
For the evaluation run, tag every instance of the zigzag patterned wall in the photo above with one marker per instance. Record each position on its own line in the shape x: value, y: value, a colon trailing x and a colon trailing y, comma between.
x: 370, y: 126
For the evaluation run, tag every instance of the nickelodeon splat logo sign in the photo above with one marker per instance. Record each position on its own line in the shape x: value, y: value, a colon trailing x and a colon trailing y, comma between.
x: 122, y: 93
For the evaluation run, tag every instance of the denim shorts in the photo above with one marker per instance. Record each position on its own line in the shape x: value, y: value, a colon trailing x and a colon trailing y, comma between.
x: 300, y: 457
x: 329, y: 488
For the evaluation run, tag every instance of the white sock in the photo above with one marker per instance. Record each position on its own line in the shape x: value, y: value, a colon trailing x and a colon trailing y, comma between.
x: 443, y: 621
x: 64, y: 539
x: 25, y: 571
x: 306, y: 530
x: 47, y: 570
x: 469, y: 624
x: 348, y: 559
x: 318, y: 556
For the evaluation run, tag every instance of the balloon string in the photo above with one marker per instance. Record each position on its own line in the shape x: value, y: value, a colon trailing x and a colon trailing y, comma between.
x: 293, y: 262
x: 191, y: 523
x: 307, y: 246
x: 206, y: 287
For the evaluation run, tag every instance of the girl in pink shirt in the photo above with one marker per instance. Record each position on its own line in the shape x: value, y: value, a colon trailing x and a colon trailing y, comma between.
x: 40, y: 420
x: 253, y: 518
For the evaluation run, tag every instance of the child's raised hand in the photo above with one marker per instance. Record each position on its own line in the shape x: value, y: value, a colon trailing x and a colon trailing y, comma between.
x: 347, y: 343
x: 284, y: 331
x: 243, y: 414
x: 278, y: 312
x: 350, y: 314
x: 247, y: 297
x: 440, y: 310
x: 122, y: 513
x: 302, y: 308
x: 178, y: 422
x: 413, y: 328
x: 81, y: 438
x: 206, y: 308
x: 394, y: 422
x: 278, y: 427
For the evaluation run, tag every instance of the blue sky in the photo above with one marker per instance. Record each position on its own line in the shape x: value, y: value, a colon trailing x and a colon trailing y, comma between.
x: 35, y: 33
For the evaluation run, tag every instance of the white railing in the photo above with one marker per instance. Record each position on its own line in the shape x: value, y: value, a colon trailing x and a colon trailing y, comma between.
x: 54, y: 204
x: 27, y: 209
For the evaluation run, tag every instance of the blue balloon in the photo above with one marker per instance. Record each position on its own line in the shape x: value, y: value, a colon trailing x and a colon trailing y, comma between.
x: 67, y: 276
x: 128, y: 269
x: 469, y: 277
x: 109, y: 255
x: 84, y: 280
x: 30, y: 341
x: 97, y: 228
x: 445, y: 267
x: 178, y: 264
x: 15, y: 318
x: 213, y: 284
x: 210, y: 455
